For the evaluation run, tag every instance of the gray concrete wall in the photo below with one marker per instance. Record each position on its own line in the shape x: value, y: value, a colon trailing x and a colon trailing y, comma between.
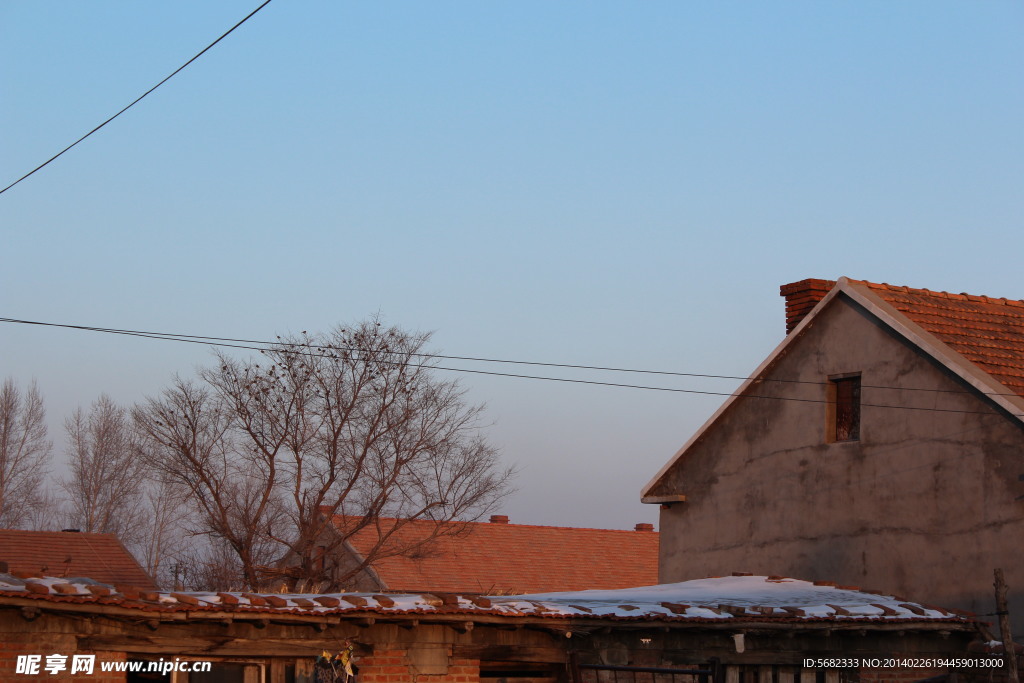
x: 923, y: 505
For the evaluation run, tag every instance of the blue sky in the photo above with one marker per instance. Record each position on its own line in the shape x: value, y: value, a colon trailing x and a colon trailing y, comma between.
x: 607, y: 183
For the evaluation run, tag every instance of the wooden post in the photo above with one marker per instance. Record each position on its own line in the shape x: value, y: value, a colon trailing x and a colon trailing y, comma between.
x: 1009, y: 650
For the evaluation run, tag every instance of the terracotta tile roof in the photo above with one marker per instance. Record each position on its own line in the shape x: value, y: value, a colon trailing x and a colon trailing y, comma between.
x: 986, y: 331
x: 755, y: 599
x: 71, y: 554
x: 520, y: 558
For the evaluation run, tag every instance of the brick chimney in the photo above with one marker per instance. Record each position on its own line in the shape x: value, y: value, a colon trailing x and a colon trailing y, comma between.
x: 644, y: 526
x: 499, y: 519
x: 801, y: 297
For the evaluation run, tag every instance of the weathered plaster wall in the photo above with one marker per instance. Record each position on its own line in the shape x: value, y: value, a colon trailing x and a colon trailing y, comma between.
x: 922, y: 505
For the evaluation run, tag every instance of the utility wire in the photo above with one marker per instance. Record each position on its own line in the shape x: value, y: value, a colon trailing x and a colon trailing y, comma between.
x: 321, y: 352
x: 247, y: 344
x: 137, y: 99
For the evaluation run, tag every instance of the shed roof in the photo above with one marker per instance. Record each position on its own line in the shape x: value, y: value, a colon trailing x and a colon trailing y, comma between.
x: 721, y: 600
x: 515, y: 558
x: 101, y: 557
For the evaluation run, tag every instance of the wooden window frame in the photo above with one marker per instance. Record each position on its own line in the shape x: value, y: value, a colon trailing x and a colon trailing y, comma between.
x: 843, y: 408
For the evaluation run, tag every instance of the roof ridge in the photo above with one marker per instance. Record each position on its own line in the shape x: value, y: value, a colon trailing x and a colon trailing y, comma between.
x: 69, y: 534
x: 488, y: 525
x: 962, y: 296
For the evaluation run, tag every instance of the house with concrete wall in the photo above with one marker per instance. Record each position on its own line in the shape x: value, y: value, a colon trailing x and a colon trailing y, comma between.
x: 881, y: 443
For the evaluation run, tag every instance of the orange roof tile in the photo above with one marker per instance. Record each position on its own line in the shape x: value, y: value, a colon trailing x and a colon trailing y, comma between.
x: 60, y: 553
x: 520, y: 558
x: 986, y: 331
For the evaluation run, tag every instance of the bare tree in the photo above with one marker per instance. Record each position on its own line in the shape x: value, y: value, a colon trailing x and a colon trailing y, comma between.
x: 46, y: 512
x: 108, y: 479
x: 24, y: 453
x: 187, y: 437
x: 164, y: 543
x: 352, y: 423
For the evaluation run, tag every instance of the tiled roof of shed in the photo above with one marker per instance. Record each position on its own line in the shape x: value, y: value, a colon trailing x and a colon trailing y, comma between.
x: 72, y: 554
x: 746, y: 598
x: 520, y: 558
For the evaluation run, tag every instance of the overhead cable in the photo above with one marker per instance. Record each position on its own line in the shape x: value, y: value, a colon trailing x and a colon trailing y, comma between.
x: 137, y: 99
x: 315, y: 350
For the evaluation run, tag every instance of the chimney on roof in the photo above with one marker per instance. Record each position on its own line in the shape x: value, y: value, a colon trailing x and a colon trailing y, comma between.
x: 644, y: 526
x: 801, y: 297
x: 499, y: 519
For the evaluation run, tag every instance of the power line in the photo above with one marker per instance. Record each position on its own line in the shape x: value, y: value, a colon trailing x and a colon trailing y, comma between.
x: 263, y: 346
x: 137, y: 99
x: 245, y: 344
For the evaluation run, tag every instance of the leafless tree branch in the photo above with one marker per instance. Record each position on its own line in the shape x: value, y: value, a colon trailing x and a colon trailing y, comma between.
x: 350, y: 423
x: 24, y: 453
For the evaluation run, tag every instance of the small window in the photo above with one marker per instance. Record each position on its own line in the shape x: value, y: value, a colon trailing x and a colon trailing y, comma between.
x: 844, y: 408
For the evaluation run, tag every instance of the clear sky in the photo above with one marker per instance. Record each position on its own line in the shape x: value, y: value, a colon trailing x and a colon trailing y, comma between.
x: 604, y: 183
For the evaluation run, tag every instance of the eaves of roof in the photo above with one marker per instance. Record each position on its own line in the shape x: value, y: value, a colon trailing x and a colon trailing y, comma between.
x: 840, y: 608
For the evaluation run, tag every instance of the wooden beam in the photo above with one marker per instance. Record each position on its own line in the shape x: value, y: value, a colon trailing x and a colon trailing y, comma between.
x: 511, y: 653
x: 1010, y: 653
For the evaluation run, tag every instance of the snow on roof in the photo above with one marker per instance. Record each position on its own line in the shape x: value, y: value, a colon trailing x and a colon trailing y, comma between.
x: 723, y: 598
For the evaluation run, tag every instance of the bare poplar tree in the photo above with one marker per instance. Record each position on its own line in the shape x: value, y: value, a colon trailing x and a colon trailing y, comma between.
x: 163, y: 520
x: 24, y: 453
x: 108, y: 479
x: 352, y: 423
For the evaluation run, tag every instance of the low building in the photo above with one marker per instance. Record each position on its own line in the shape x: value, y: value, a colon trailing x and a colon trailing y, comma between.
x: 726, y: 630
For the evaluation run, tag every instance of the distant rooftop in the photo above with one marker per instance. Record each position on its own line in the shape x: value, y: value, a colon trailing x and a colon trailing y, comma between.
x: 101, y: 557
x: 497, y: 556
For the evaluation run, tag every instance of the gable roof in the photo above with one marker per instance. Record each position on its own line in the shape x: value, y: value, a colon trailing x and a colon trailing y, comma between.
x: 986, y: 331
x: 978, y: 338
x: 520, y: 558
x: 71, y: 554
